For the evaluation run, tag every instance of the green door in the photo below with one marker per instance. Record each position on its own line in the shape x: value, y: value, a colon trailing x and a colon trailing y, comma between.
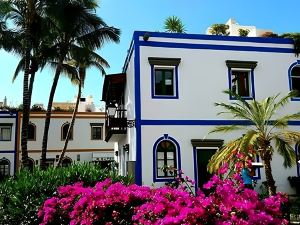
x: 203, y: 156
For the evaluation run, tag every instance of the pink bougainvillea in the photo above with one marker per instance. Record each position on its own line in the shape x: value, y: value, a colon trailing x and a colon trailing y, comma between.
x: 224, y: 202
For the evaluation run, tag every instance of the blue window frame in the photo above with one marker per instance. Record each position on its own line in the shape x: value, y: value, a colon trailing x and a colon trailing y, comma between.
x: 294, y: 78
x: 241, y: 78
x: 164, y: 77
x: 166, y: 159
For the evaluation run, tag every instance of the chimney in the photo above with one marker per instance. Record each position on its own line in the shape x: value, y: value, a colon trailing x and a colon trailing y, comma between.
x: 5, y: 101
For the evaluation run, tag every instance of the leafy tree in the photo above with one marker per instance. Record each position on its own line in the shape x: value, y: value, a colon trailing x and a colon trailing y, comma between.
x: 264, y: 130
x: 219, y: 29
x: 73, y: 23
x: 173, y: 24
x: 82, y: 59
x: 244, y: 32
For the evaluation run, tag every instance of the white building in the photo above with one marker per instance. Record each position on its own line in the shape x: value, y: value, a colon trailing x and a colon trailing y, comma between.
x: 8, y: 139
x: 168, y: 87
x: 85, y: 145
x: 234, y: 27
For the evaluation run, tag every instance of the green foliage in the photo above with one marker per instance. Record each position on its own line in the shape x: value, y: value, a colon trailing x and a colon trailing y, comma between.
x: 22, y: 195
x: 244, y: 32
x: 173, y: 24
x: 219, y: 29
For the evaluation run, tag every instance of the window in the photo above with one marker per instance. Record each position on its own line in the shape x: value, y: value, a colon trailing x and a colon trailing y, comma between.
x: 96, y: 131
x: 166, y: 159
x: 295, y: 79
x: 241, y: 78
x: 164, y: 77
x: 4, y: 167
x: 164, y: 81
x: 241, y: 83
x: 5, y: 132
x: 64, y: 131
x: 31, y: 132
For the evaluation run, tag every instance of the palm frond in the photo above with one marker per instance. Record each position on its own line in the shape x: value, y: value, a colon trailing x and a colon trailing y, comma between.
x: 225, y: 129
x: 283, y: 121
x: 285, y: 99
x: 248, y: 140
x: 223, y: 155
x: 19, y: 68
x: 286, y: 151
x: 288, y: 136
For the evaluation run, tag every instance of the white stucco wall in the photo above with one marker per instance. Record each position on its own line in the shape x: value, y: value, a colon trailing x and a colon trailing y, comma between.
x: 203, y: 75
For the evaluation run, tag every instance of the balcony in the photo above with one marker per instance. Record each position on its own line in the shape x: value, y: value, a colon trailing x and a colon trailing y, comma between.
x: 116, y: 125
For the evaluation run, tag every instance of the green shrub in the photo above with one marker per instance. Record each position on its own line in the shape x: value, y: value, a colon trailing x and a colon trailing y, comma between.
x: 22, y: 195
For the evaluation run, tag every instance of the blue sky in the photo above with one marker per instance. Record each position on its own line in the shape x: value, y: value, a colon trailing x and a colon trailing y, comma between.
x: 131, y: 15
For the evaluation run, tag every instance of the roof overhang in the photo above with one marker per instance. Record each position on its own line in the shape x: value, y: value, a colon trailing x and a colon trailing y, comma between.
x: 113, y: 87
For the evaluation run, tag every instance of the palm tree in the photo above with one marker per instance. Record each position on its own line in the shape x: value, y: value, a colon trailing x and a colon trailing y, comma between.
x: 264, y: 130
x: 24, y: 16
x: 81, y: 26
x: 173, y: 24
x: 219, y: 29
x: 83, y: 58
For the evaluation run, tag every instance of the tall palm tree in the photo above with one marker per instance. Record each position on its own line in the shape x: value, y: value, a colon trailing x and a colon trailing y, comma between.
x: 173, y: 24
x: 264, y: 130
x: 83, y: 58
x: 73, y: 22
x: 26, y: 21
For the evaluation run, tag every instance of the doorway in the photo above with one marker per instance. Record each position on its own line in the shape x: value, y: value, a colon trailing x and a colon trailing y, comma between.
x: 202, y: 157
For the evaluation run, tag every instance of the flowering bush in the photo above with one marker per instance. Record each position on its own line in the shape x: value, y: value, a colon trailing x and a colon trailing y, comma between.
x: 226, y: 202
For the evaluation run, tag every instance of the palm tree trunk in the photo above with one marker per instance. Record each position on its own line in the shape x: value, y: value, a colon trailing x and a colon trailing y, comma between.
x: 48, y: 114
x: 269, y: 176
x: 71, y: 125
x: 26, y: 111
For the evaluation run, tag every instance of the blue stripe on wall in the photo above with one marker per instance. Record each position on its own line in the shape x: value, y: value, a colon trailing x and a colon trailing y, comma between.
x: 216, y: 47
x: 217, y: 37
x: 204, y: 122
x: 137, y: 97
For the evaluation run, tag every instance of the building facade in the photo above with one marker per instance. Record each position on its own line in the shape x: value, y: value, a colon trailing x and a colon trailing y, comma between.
x: 9, y: 123
x: 168, y: 88
x: 85, y: 145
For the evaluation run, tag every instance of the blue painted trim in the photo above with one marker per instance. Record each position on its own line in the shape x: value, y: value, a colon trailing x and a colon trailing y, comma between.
x: 195, y: 169
x: 297, y: 157
x: 128, y: 57
x: 251, y: 83
x: 290, y: 79
x: 178, y: 157
x: 217, y: 37
x: 216, y: 47
x: 16, y: 143
x: 7, y: 117
x: 7, y: 151
x: 258, y: 177
x: 153, y: 85
x: 202, y: 122
x: 137, y: 98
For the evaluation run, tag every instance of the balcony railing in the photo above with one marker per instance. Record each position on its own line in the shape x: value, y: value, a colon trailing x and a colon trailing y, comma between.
x: 116, y: 124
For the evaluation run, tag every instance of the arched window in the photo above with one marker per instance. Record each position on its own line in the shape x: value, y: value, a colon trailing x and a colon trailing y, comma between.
x: 64, y: 131
x: 4, y: 167
x: 166, y: 158
x: 31, y: 132
x: 294, y: 76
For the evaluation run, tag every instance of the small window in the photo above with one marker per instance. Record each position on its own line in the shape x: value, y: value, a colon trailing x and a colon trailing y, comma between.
x: 164, y: 77
x: 31, y: 132
x: 4, y: 167
x: 96, y: 132
x: 295, y: 79
x: 164, y: 82
x: 64, y: 131
x: 241, y: 78
x: 241, y: 83
x: 166, y: 159
x: 5, y: 133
